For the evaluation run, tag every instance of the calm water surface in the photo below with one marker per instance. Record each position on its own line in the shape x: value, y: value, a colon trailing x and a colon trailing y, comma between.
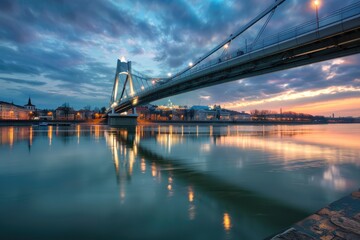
x: 170, y: 181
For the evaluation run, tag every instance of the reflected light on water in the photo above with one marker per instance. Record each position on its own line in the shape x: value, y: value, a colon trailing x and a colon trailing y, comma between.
x: 131, y: 161
x: 333, y: 177
x: 50, y: 134
x: 113, y: 144
x: 122, y: 192
x: 191, y: 194
x: 97, y: 132
x: 171, y: 129
x: 206, y: 147
x: 168, y: 140
x: 227, y: 222
x: 289, y: 151
x: 169, y: 187
x: 78, y: 130
x: 138, y: 133
x: 143, y: 165
x: 11, y: 136
x: 116, y: 159
x: 192, y: 207
x: 348, y: 140
x: 31, y: 136
x: 153, y: 170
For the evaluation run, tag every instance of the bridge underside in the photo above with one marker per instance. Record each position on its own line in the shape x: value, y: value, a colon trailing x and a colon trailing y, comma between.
x: 339, y: 40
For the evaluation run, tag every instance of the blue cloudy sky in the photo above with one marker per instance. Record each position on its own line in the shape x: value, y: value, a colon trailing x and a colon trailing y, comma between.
x: 58, y: 51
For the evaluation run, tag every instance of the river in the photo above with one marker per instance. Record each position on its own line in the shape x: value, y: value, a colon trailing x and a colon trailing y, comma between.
x: 171, y: 181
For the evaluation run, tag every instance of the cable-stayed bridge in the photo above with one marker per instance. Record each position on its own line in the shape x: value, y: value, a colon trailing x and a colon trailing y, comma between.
x: 332, y: 36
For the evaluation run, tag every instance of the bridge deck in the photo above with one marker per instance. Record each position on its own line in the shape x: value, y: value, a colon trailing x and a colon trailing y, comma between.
x: 337, y: 36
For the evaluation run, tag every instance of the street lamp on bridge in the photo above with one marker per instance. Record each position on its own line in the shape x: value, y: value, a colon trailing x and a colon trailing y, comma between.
x: 317, y: 4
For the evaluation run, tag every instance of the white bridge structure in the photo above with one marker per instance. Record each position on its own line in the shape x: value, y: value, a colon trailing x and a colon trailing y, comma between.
x: 332, y: 36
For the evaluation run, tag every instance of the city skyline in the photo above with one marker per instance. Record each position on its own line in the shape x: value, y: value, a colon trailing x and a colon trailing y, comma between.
x: 56, y: 53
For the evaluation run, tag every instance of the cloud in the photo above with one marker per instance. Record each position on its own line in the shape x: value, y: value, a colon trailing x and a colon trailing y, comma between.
x: 22, y: 81
x: 205, y: 97
x: 341, y: 107
x: 66, y: 47
x: 292, y: 95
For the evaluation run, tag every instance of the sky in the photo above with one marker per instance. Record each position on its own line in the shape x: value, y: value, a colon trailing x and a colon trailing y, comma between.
x: 65, y: 51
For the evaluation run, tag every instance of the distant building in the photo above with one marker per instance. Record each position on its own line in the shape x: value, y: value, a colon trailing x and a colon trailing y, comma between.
x: 10, y: 111
x: 202, y: 113
x: 171, y: 112
x: 65, y: 113
x: 46, y: 115
x: 84, y: 114
x: 240, y: 116
x: 30, y: 106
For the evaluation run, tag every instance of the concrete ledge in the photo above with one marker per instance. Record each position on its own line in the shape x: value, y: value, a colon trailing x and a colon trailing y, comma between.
x: 115, y: 120
x: 339, y: 220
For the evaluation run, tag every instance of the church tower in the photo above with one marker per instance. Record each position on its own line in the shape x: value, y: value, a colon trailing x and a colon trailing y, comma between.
x: 29, y: 105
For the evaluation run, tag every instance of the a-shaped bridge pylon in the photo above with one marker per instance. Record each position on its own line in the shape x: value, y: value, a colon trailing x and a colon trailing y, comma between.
x: 131, y: 83
x: 123, y: 72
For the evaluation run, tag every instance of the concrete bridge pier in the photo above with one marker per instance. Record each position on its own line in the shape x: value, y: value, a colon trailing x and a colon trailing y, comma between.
x: 116, y: 120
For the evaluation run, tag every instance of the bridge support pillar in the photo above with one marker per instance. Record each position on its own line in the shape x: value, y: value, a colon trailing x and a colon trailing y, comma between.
x: 115, y: 119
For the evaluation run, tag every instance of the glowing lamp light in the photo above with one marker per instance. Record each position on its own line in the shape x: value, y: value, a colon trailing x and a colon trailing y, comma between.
x: 226, y: 46
x: 135, y: 101
x: 190, y: 64
x: 122, y: 59
x: 114, y: 104
x: 316, y: 3
x: 169, y: 74
x: 142, y: 87
x: 153, y: 82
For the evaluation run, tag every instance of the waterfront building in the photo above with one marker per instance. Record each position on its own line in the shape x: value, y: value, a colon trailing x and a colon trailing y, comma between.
x: 10, y: 111
x: 45, y: 114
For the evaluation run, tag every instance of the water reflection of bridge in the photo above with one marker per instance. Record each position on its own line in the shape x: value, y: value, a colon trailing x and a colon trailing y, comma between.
x: 129, y: 156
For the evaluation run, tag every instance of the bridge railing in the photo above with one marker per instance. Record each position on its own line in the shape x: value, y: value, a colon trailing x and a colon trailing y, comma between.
x: 295, y: 32
x: 335, y: 17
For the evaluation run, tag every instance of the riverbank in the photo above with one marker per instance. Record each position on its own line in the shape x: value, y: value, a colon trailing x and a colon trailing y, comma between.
x: 37, y: 122
x: 217, y: 122
x: 100, y: 121
x: 103, y: 121
x: 339, y: 220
